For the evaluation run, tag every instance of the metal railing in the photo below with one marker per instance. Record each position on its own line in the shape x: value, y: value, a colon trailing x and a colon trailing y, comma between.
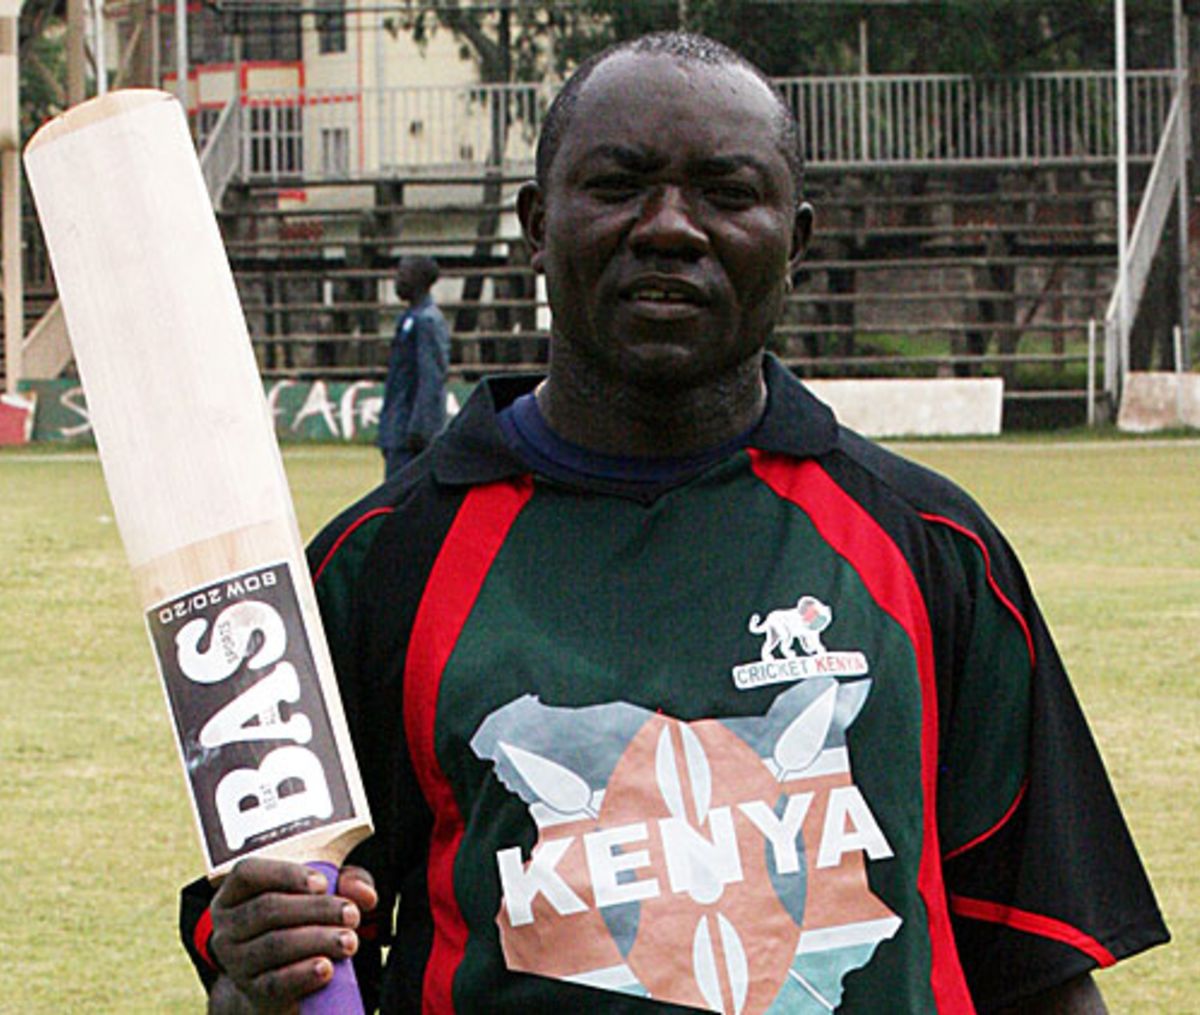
x: 888, y: 120
x: 331, y: 135
x: 1152, y: 216
x: 220, y: 157
x: 957, y: 120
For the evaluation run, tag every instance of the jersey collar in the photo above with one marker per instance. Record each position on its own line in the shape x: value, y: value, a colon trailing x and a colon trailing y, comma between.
x: 473, y: 450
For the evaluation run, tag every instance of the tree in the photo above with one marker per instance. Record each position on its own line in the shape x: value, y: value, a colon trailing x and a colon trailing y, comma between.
x: 43, y: 62
x: 811, y: 36
x: 1013, y: 36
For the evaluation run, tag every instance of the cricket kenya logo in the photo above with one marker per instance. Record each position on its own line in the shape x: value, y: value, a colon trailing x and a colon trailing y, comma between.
x: 718, y: 864
x: 781, y: 631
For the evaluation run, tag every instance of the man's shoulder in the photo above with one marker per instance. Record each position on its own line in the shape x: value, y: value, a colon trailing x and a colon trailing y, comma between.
x: 428, y: 312
x: 418, y: 502
x: 358, y: 525
x: 921, y: 488
x: 799, y: 424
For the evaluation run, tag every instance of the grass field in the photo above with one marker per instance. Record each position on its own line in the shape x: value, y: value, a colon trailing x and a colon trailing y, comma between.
x: 98, y: 836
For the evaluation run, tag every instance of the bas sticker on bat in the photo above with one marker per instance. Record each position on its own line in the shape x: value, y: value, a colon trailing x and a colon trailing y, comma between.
x: 249, y: 714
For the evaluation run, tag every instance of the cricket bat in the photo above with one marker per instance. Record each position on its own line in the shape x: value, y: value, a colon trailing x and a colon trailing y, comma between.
x: 198, y: 489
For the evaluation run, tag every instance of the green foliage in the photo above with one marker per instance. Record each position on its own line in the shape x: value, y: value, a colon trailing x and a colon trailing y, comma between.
x: 1013, y: 36
x: 43, y: 70
x: 783, y: 39
x: 510, y: 45
x: 794, y: 39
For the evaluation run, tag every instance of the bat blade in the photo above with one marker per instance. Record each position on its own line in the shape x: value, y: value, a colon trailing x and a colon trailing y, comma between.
x: 197, y: 482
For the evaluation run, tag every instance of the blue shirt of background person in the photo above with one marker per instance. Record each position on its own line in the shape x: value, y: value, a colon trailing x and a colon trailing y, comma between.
x: 414, y: 397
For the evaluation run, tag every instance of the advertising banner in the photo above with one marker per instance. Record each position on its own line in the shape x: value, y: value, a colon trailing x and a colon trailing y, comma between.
x: 320, y: 410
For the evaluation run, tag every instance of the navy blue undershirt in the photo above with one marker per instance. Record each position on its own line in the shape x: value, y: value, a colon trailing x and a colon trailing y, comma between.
x: 527, y: 433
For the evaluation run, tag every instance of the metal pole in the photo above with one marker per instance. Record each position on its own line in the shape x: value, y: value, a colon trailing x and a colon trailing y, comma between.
x: 864, y: 68
x: 1123, y: 323
x: 1178, y: 337
x: 1185, y: 128
x: 153, y: 47
x: 181, y: 52
x: 76, y: 19
x: 10, y: 196
x: 98, y: 47
x: 1091, y: 373
x: 14, y: 301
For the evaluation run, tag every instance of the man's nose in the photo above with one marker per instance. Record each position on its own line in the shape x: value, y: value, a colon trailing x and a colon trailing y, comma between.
x: 667, y: 224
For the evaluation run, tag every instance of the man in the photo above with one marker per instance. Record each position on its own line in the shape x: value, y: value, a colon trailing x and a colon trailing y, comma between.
x: 414, y: 396
x: 669, y: 693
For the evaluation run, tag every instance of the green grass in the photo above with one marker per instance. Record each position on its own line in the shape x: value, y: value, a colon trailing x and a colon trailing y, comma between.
x: 1032, y: 375
x: 99, y: 835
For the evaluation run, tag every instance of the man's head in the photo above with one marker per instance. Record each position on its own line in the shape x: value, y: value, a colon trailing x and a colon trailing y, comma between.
x: 684, y: 47
x: 666, y: 216
x: 415, y: 275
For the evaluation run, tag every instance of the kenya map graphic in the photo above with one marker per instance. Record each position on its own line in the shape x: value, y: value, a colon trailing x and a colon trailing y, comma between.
x: 718, y: 864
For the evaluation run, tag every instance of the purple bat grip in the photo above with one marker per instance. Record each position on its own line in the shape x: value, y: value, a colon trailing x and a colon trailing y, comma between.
x: 340, y: 995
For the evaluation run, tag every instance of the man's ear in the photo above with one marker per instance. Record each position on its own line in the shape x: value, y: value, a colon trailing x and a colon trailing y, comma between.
x: 802, y: 227
x: 531, y: 210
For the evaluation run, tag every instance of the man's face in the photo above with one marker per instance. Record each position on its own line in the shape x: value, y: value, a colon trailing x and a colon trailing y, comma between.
x: 668, y: 221
x: 408, y: 284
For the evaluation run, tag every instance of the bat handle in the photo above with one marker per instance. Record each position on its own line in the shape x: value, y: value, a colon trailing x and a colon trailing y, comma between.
x: 340, y: 995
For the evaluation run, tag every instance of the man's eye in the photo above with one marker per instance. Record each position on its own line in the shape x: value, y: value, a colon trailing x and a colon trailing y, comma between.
x: 613, y: 188
x: 731, y: 195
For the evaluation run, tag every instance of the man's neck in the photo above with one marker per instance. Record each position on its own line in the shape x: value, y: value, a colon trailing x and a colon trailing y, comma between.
x: 607, y: 415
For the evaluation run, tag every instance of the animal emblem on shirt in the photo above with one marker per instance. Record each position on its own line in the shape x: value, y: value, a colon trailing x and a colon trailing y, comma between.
x: 801, y: 623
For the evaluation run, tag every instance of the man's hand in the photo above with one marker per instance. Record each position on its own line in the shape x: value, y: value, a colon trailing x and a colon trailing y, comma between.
x: 276, y: 933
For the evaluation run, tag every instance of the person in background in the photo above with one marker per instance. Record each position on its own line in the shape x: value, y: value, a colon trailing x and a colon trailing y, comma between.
x: 414, y: 396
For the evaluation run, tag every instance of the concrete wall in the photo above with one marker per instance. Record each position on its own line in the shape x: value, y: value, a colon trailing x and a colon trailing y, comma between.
x: 935, y: 407
x: 1159, y: 401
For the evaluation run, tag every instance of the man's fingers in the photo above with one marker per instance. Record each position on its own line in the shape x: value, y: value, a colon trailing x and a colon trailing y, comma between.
x: 276, y: 911
x: 281, y: 990
x: 253, y: 876
x: 358, y: 886
x: 276, y: 933
x: 289, y: 952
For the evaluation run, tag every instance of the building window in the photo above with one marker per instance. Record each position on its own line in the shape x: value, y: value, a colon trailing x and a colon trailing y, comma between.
x: 208, y: 41
x: 275, y: 141
x: 335, y: 152
x: 209, y: 36
x: 272, y: 34
x: 331, y: 26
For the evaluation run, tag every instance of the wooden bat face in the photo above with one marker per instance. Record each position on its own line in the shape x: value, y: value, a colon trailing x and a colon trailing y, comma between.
x: 259, y: 752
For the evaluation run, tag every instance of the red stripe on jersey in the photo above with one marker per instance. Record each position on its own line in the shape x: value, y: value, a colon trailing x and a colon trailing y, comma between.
x: 1032, y: 923
x: 984, y: 836
x: 202, y: 935
x: 475, y: 537
x: 847, y: 527
x: 992, y: 583
x: 346, y: 535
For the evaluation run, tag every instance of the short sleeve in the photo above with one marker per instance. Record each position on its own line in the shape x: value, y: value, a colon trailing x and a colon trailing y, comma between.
x: 1043, y: 877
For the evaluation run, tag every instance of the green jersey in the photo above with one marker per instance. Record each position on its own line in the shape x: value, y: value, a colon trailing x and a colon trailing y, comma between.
x: 787, y: 736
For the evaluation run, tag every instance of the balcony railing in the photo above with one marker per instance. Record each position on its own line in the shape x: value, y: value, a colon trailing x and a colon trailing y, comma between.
x: 908, y: 120
x: 845, y: 122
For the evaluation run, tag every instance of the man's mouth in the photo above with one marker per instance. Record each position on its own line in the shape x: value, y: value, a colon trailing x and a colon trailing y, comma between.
x: 665, y: 293
x: 660, y: 295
